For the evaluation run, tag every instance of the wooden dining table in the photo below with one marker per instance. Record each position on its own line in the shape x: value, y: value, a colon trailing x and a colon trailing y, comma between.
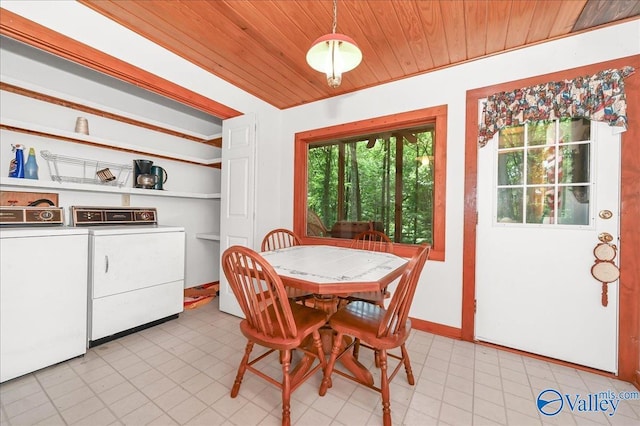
x: 329, y: 271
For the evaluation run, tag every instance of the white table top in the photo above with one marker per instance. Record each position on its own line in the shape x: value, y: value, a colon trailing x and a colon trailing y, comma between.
x: 328, y: 269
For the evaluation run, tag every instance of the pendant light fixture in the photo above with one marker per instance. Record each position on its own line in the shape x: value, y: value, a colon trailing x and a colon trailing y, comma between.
x: 334, y: 54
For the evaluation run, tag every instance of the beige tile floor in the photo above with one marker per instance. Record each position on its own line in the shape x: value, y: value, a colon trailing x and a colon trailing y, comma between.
x: 180, y: 373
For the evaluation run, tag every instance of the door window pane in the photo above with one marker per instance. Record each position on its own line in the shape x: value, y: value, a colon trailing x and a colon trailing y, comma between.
x: 540, y: 204
x: 555, y: 157
x: 575, y: 163
x: 511, y: 137
x: 510, y: 167
x: 510, y: 205
x: 576, y: 130
x: 541, y: 133
x: 541, y: 165
x: 574, y: 208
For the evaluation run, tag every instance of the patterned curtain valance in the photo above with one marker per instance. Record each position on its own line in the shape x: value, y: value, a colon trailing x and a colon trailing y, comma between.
x: 598, y: 97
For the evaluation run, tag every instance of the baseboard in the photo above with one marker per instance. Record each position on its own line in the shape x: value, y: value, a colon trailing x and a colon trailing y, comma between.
x: 435, y: 328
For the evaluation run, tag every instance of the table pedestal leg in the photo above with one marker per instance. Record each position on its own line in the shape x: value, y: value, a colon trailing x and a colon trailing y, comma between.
x: 329, y: 304
x: 326, y: 302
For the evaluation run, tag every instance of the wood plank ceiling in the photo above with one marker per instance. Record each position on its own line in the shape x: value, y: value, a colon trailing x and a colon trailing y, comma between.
x: 260, y: 45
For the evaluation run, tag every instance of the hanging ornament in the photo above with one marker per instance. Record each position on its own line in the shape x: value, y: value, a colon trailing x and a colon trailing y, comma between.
x: 604, y: 269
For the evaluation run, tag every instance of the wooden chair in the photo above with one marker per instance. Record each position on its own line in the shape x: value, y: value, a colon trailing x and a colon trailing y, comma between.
x: 378, y: 329
x: 315, y: 226
x: 374, y: 241
x: 279, y: 238
x: 283, y: 238
x: 272, y: 321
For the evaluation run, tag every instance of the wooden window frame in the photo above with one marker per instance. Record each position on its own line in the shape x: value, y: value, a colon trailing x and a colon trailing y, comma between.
x: 437, y: 115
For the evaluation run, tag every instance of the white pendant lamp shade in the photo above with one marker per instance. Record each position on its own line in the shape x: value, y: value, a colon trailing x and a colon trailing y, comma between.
x: 334, y: 54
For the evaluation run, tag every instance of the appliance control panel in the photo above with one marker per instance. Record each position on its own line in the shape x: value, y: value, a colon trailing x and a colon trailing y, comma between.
x: 27, y: 216
x: 87, y: 216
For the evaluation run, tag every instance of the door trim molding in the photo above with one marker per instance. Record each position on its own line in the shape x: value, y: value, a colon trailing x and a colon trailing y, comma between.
x: 629, y: 292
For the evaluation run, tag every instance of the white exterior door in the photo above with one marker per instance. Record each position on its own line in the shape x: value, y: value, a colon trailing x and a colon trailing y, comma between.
x: 544, y: 193
x: 237, y: 195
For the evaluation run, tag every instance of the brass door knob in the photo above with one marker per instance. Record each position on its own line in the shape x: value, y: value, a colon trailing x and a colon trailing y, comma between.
x: 605, y: 237
x: 605, y: 214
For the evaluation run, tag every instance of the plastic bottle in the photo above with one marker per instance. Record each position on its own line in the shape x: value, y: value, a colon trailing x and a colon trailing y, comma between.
x: 31, y: 166
x: 16, y: 167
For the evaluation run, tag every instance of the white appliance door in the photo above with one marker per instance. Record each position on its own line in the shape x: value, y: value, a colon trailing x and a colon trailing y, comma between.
x: 237, y: 195
x: 137, y: 276
x: 128, y: 262
x: 534, y: 288
x: 43, y: 300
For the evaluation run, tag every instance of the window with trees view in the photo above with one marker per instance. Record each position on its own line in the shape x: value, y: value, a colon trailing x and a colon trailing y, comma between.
x: 385, y: 174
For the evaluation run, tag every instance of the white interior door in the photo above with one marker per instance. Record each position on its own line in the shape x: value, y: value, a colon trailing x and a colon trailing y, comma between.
x: 540, y: 196
x: 237, y: 195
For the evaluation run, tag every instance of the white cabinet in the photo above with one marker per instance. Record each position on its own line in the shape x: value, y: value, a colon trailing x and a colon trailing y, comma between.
x: 136, y: 277
x: 43, y: 297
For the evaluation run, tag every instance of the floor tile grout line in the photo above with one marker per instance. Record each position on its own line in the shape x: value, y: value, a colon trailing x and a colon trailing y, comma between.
x: 505, y: 392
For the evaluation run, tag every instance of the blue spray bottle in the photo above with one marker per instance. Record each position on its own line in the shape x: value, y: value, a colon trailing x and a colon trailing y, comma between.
x: 16, y: 167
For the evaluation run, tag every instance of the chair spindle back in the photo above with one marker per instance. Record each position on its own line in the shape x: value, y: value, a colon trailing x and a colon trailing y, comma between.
x: 397, y: 313
x: 373, y: 241
x: 259, y: 291
x: 278, y: 239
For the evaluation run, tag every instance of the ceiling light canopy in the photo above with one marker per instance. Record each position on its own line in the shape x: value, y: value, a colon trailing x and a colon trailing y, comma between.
x: 334, y: 53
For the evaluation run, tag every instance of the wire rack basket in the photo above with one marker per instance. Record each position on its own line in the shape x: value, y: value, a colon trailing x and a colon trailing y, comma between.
x: 63, y: 168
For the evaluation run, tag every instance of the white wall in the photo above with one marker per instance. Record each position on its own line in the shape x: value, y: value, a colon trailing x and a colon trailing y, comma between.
x: 438, y: 298
x: 439, y: 294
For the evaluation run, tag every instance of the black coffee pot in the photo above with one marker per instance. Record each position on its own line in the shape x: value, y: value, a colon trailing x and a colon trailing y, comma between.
x: 142, y: 177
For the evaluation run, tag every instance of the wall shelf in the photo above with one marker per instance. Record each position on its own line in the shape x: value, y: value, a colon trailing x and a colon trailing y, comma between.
x: 36, y: 129
x: 69, y: 186
x: 35, y: 91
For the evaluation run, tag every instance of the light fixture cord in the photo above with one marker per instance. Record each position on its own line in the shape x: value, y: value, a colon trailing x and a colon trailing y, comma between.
x: 335, y: 15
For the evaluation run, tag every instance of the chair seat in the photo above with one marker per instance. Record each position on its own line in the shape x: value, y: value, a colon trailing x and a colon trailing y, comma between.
x: 306, y: 319
x: 362, y: 320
